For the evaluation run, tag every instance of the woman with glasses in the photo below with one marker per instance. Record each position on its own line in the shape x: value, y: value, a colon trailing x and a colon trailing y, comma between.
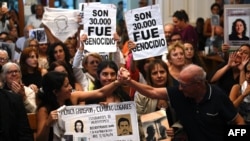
x: 12, y: 79
x: 231, y: 72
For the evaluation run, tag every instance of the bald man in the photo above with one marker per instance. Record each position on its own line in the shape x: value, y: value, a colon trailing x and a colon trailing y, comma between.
x: 203, y: 109
x: 168, y: 31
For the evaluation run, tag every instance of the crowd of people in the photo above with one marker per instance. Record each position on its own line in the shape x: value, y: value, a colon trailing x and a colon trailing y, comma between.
x: 41, y: 77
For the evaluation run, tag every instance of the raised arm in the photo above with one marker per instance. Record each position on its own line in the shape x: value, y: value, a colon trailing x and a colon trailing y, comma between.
x: 106, y: 90
x: 220, y: 72
x: 149, y: 91
x: 236, y: 96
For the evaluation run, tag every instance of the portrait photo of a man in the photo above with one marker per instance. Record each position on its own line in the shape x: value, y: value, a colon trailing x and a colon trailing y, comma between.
x: 124, y: 126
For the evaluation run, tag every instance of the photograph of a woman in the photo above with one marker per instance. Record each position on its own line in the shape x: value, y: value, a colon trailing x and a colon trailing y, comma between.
x: 239, y: 29
x: 79, y: 126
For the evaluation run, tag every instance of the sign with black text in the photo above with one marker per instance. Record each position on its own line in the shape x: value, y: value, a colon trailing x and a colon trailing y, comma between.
x: 81, y: 9
x: 112, y: 122
x: 145, y: 28
x: 100, y: 25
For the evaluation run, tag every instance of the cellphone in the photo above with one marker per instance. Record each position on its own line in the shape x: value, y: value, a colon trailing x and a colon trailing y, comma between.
x: 4, y: 5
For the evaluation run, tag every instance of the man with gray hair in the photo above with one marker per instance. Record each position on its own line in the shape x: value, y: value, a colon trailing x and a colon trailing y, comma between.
x: 203, y: 109
x: 4, y: 57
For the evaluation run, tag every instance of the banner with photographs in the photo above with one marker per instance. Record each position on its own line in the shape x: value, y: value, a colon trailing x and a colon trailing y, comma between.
x: 39, y: 34
x: 145, y: 28
x: 113, y: 122
x: 236, y: 25
x: 155, y: 126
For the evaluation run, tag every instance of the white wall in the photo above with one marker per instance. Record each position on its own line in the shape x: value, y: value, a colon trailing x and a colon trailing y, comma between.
x: 194, y: 8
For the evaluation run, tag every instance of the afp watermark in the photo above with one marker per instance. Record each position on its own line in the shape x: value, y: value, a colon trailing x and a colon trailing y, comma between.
x: 239, y: 132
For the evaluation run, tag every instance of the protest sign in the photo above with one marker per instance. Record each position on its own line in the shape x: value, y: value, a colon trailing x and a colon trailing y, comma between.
x: 236, y: 15
x: 61, y: 22
x: 104, y: 55
x: 114, y: 122
x: 81, y: 9
x: 100, y: 25
x: 215, y: 20
x: 155, y: 125
x: 39, y: 34
x: 145, y: 28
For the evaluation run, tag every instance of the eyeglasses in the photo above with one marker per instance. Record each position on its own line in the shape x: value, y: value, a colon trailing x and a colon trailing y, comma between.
x: 94, y: 62
x: 3, y: 59
x: 13, y: 72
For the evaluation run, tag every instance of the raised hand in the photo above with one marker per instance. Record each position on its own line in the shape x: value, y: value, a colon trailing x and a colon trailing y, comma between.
x: 131, y: 44
x: 231, y: 60
x: 53, y: 116
x: 244, y: 61
x: 123, y: 75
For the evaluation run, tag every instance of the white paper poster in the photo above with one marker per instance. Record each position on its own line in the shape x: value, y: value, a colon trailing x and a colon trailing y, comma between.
x: 61, y: 22
x: 100, y: 25
x: 115, y: 122
x: 145, y: 28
